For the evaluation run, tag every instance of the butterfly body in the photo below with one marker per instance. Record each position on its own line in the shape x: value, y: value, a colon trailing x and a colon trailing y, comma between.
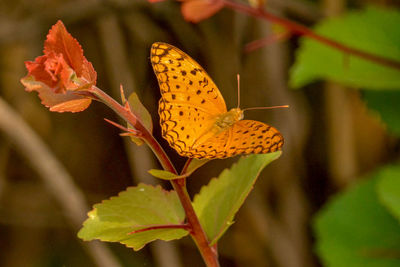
x: 193, y: 114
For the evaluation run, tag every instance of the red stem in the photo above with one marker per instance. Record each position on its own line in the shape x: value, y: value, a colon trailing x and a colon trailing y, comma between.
x: 297, y: 28
x: 198, y: 235
x: 187, y: 163
x: 196, y: 231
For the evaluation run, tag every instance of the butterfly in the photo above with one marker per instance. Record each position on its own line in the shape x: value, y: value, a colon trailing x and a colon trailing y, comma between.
x: 193, y: 114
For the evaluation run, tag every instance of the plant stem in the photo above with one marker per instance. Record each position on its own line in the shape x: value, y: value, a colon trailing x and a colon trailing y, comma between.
x: 185, y: 167
x: 196, y: 231
x: 198, y: 235
x: 299, y: 29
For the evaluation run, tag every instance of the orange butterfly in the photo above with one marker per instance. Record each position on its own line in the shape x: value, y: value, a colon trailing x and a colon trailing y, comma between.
x: 193, y: 115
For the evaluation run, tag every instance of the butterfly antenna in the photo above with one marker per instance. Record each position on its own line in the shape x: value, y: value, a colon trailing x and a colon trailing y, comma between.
x: 238, y: 82
x: 283, y: 106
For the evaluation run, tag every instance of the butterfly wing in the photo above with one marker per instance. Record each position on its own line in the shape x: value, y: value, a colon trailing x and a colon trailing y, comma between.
x: 190, y: 100
x: 243, y: 137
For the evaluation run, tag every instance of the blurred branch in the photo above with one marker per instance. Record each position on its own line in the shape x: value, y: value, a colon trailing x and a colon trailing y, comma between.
x: 272, y: 234
x: 4, y: 149
x: 342, y: 158
x: 54, y: 176
x: 270, y: 39
x: 299, y: 29
x: 288, y: 242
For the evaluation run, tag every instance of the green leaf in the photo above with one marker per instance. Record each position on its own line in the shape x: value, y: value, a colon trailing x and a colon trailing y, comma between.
x: 162, y: 174
x: 136, y: 208
x: 140, y: 111
x: 355, y: 230
x: 389, y: 189
x: 371, y: 30
x: 386, y: 103
x: 218, y: 202
x: 194, y: 164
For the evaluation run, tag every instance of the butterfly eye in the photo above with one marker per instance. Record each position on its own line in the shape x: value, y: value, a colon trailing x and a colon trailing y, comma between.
x: 241, y: 115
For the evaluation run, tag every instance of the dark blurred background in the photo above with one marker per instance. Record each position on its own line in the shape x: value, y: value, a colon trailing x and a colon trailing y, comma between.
x: 330, y: 137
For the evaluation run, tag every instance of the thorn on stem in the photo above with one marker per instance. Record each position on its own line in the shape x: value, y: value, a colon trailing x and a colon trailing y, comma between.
x: 123, y: 98
x: 127, y: 131
x: 134, y: 134
x: 125, y: 102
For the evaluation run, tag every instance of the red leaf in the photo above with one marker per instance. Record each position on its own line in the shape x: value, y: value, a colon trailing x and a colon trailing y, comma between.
x: 67, y: 102
x: 60, y: 41
x: 60, y: 72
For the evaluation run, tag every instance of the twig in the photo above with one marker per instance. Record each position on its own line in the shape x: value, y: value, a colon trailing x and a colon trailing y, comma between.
x: 340, y: 127
x: 54, y: 176
x: 185, y: 167
x: 273, y: 38
x: 4, y: 152
x: 299, y: 29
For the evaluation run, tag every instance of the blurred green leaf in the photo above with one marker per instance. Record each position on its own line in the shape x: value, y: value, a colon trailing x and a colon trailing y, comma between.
x: 195, y: 164
x: 371, y: 30
x: 355, y: 230
x: 218, y: 202
x: 386, y: 103
x: 136, y: 208
x: 389, y: 189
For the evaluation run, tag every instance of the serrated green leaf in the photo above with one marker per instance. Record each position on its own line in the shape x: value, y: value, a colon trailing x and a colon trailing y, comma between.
x: 140, y: 111
x: 386, y: 103
x: 371, y: 30
x: 162, y: 174
x: 218, y: 202
x: 389, y: 189
x: 355, y: 230
x: 136, y: 208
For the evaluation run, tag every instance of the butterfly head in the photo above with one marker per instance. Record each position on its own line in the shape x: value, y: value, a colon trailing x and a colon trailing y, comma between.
x: 236, y: 114
x: 227, y: 119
